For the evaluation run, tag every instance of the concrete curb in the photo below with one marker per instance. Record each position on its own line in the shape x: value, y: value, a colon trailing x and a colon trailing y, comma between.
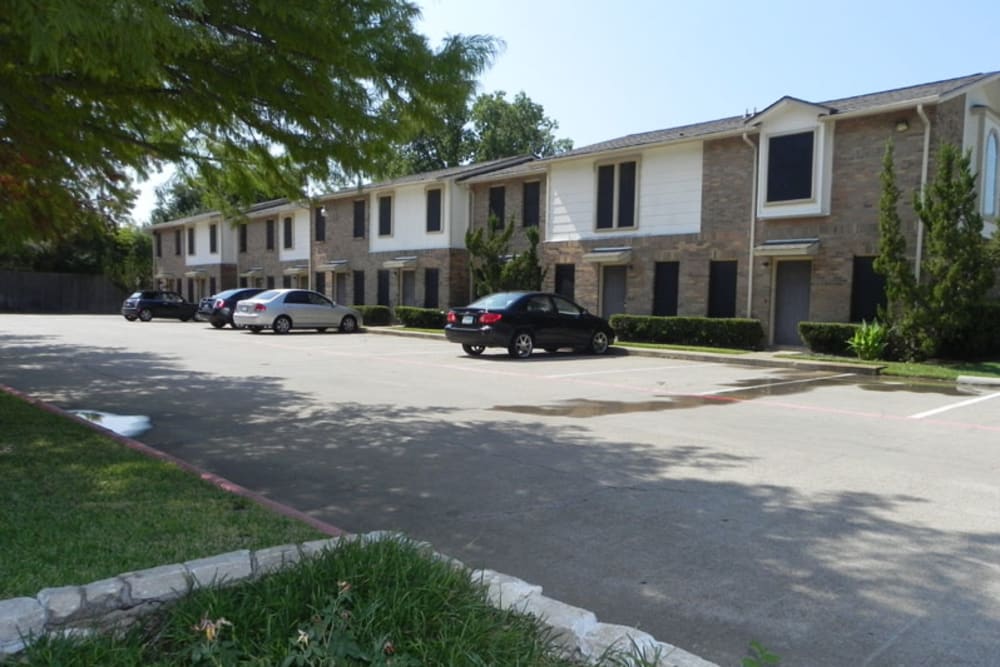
x: 979, y: 380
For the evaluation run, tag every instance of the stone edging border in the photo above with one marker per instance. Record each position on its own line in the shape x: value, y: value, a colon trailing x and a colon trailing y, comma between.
x: 78, y: 611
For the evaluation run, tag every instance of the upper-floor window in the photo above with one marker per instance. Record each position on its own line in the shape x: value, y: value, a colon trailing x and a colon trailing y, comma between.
x: 991, y: 175
x: 385, y: 215
x: 269, y: 234
x: 190, y: 240
x: 790, y: 167
x: 616, y: 194
x: 177, y: 241
x: 320, y: 223
x: 530, y: 212
x: 434, y: 210
x: 287, y: 232
x: 498, y: 196
x: 243, y: 237
x: 213, y: 238
x: 359, y: 219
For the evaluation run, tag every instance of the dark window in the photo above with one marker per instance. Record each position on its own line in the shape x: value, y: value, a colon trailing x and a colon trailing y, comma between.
x: 243, y: 282
x: 177, y: 241
x: 722, y: 289
x: 286, y: 281
x: 867, y: 290
x: 626, y: 194
x: 213, y: 238
x: 383, y: 287
x: 605, y: 197
x: 359, y: 219
x: 269, y: 241
x: 321, y: 282
x: 430, y: 288
x: 434, y: 210
x: 287, y: 229
x: 190, y: 289
x: 211, y: 286
x: 190, y: 240
x: 359, y: 288
x: 616, y: 195
x: 270, y: 282
x: 789, y: 167
x: 566, y: 280
x: 385, y: 216
x: 498, y: 197
x: 665, y: 288
x: 530, y: 212
x: 320, y: 224
x: 243, y: 237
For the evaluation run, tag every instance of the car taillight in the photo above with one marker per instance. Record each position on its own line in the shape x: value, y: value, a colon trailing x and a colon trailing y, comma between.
x: 259, y: 307
x: 219, y: 303
x: 490, y: 318
x: 452, y: 317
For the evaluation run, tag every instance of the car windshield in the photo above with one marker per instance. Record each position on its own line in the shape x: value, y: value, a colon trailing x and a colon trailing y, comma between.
x: 497, y: 301
x: 136, y: 295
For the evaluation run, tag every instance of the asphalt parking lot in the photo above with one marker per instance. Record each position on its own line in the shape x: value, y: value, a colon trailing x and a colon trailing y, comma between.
x: 838, y: 519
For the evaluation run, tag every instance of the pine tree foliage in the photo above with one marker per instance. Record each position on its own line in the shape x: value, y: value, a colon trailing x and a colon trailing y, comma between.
x: 493, y: 267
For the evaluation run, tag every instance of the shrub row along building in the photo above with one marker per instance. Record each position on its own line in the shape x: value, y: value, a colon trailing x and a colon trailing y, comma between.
x: 772, y: 215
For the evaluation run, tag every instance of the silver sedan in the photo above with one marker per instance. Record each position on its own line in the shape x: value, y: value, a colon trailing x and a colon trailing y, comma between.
x: 285, y: 309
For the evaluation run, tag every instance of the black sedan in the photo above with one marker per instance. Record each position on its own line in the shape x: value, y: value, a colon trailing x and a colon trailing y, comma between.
x: 218, y: 309
x: 147, y: 304
x: 522, y: 321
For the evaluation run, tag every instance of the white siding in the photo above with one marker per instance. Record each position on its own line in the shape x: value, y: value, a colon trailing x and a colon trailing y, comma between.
x: 669, y: 185
x: 409, y: 220
x: 201, y: 255
x: 300, y: 235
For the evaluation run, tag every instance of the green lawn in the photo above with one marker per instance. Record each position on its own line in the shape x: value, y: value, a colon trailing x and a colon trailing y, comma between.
x: 939, y: 370
x: 78, y: 507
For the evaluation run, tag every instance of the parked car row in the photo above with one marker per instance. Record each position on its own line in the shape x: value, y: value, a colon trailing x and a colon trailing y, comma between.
x: 516, y: 321
x: 254, y: 309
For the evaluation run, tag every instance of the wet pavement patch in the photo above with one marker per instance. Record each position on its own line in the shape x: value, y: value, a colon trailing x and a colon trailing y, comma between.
x: 588, y: 408
x: 127, y: 425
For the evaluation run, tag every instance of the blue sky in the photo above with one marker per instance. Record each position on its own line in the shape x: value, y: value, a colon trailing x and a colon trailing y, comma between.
x: 606, y: 69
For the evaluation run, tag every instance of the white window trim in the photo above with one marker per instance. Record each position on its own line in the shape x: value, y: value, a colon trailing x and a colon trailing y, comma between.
x: 992, y: 135
x: 815, y: 181
x: 214, y: 226
x: 616, y: 227
x: 440, y: 229
x: 289, y: 222
x: 378, y: 215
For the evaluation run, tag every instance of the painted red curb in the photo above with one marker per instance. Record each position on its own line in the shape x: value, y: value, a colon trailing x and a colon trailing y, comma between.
x: 220, y: 482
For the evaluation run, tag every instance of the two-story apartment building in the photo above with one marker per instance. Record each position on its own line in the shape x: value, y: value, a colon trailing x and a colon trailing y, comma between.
x: 273, y: 245
x: 194, y: 256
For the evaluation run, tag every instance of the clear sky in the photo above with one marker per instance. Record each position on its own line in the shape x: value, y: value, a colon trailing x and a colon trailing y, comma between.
x: 607, y: 69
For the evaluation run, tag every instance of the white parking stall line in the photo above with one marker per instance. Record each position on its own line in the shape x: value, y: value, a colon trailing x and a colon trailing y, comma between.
x: 765, y: 385
x: 625, y: 370
x: 954, y: 406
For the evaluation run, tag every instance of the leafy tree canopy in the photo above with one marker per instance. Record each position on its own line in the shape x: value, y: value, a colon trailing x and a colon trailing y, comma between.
x: 248, y: 96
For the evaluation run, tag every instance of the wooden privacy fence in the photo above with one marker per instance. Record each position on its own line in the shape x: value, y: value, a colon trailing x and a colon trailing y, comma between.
x: 27, y: 292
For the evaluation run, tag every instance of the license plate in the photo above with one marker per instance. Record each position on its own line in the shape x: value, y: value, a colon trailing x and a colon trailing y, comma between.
x: 468, y: 319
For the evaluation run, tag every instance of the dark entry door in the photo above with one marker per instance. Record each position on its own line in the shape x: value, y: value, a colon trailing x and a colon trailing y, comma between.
x: 613, y: 291
x: 791, y: 300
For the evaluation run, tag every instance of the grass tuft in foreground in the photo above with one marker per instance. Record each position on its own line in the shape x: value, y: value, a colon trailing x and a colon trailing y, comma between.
x: 78, y: 507
x: 376, y: 603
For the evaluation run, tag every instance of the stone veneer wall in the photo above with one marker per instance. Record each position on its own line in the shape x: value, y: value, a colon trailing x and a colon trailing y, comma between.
x: 118, y: 602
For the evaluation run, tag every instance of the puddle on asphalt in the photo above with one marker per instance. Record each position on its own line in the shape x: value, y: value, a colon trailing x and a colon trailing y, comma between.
x: 941, y: 388
x: 127, y: 425
x: 587, y: 408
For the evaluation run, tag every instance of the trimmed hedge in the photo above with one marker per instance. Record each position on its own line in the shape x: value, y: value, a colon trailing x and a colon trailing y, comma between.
x: 423, y: 318
x: 827, y: 337
x: 733, y: 332
x: 375, y: 316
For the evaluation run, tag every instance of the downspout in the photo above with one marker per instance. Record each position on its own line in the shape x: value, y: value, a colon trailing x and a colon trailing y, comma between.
x: 753, y: 225
x: 923, y: 188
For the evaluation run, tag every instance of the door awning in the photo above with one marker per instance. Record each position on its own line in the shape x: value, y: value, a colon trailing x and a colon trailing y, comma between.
x: 296, y: 271
x: 197, y: 273
x: 255, y: 272
x: 400, y: 262
x: 164, y: 275
x: 621, y: 255
x: 336, y: 266
x: 787, y: 248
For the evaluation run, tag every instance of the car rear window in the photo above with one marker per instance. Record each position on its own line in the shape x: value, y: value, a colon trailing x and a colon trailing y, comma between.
x: 496, y: 301
x: 268, y: 295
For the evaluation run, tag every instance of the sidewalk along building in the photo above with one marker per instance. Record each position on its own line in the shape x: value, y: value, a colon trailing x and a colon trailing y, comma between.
x: 771, y: 215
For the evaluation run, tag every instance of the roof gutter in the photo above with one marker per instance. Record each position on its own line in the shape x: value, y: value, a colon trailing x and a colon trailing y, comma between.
x: 923, y: 188
x: 753, y: 225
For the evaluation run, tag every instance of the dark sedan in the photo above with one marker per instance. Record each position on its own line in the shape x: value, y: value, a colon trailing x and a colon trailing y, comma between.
x: 522, y: 321
x: 218, y: 309
x: 147, y: 304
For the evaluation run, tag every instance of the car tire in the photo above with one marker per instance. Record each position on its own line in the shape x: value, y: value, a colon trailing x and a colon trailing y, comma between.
x: 521, y: 345
x: 145, y: 314
x: 473, y: 350
x: 130, y: 318
x: 255, y: 330
x: 185, y: 319
x: 348, y: 324
x: 217, y: 324
x: 599, y: 342
x: 282, y: 325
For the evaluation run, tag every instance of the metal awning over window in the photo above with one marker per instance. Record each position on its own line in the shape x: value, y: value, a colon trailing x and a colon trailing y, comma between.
x: 787, y: 248
x: 336, y: 266
x: 296, y: 271
x: 400, y: 262
x: 622, y: 255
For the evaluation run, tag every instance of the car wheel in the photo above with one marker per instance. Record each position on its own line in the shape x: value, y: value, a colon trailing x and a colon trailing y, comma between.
x: 348, y: 324
x: 130, y: 318
x: 282, y: 325
x: 185, y: 319
x: 599, y: 343
x: 521, y: 345
x: 473, y: 350
x: 255, y: 330
x: 217, y: 324
x: 145, y: 314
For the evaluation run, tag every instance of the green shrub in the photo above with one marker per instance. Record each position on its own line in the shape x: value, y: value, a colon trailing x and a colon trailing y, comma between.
x: 375, y: 316
x: 827, y: 337
x: 423, y: 318
x: 731, y: 332
x: 869, y: 341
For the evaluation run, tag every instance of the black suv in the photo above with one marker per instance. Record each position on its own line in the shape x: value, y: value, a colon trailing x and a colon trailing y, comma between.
x: 147, y: 304
x: 218, y: 309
